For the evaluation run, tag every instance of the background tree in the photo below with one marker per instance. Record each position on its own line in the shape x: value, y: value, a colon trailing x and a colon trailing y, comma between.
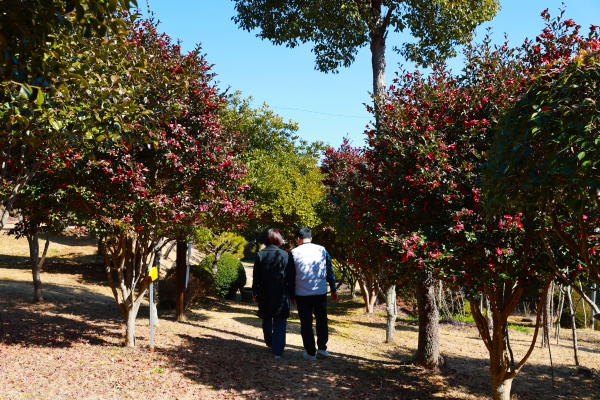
x: 338, y: 29
x: 217, y: 245
x: 283, y: 178
x: 42, y: 209
x: 341, y: 233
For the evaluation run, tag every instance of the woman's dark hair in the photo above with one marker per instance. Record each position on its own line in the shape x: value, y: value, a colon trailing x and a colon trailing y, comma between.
x: 273, y: 237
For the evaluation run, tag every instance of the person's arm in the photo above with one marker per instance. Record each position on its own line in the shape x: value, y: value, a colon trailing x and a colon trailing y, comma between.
x: 256, y: 276
x: 290, y: 273
x: 330, y: 277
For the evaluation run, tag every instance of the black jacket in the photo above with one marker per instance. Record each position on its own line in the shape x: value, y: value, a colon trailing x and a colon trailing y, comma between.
x: 273, y: 281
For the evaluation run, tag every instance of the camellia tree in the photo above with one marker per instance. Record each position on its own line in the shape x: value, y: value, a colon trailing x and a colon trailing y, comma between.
x: 341, y: 169
x: 338, y: 29
x: 183, y: 174
x: 352, y: 230
x: 91, y: 100
x: 545, y: 157
x: 428, y: 152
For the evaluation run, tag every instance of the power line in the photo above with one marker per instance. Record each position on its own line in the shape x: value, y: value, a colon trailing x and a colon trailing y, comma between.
x: 309, y: 111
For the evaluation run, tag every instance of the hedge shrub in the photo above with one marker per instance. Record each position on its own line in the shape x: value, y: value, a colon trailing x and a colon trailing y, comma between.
x: 230, y: 277
x: 200, y: 284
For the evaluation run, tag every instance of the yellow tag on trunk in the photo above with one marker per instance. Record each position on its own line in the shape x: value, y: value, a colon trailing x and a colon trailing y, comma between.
x: 154, y: 273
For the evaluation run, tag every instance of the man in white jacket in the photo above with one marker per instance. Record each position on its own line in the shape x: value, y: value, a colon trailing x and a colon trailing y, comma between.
x: 313, y: 272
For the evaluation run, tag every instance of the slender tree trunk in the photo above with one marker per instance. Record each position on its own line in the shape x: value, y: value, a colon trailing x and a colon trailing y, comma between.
x: 368, y: 290
x: 584, y: 309
x: 130, y: 327
x: 488, y: 312
x: 378, y: 65
x: 36, y: 263
x: 547, y: 310
x: 378, y: 36
x: 180, y: 278
x: 592, y: 320
x: 561, y: 304
x: 390, y: 295
x: 215, y: 263
x: 574, y: 327
x: 428, y: 350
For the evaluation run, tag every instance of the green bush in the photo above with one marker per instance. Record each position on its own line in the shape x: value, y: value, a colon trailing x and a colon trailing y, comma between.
x: 200, y: 284
x: 230, y: 277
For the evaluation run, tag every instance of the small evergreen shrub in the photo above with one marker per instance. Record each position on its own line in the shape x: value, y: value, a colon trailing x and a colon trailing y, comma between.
x: 200, y: 284
x: 230, y: 277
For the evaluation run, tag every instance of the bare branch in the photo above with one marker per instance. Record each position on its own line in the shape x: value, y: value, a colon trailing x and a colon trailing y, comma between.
x: 566, y: 279
x: 537, y: 328
x: 562, y: 235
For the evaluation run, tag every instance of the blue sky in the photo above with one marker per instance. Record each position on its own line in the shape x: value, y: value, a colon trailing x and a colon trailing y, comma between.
x: 327, y: 107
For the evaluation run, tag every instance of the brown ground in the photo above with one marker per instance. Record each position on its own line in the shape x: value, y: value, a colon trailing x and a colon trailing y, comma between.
x: 70, y: 347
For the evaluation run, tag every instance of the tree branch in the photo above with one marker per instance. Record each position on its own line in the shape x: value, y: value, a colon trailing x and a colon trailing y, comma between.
x: 565, y: 279
x: 537, y: 328
x: 562, y: 235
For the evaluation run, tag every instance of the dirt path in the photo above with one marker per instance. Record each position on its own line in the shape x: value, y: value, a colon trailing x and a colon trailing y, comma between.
x: 69, y: 347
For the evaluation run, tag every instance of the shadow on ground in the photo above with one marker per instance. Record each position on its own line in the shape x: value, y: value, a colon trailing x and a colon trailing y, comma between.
x: 68, y: 315
x: 241, y: 366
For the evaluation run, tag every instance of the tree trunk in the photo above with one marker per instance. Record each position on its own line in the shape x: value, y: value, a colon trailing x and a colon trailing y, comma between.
x: 573, y: 326
x: 36, y: 263
x: 561, y: 304
x: 34, y: 253
x: 130, y: 327
x: 390, y: 297
x: 592, y: 321
x: 488, y: 311
x: 583, y: 307
x: 368, y: 290
x: 180, y: 278
x: 428, y: 350
x: 215, y: 264
x: 547, y: 310
x: 378, y: 66
x: 501, y: 388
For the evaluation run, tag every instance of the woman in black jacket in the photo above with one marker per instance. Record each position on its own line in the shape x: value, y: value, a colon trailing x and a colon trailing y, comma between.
x: 273, y: 281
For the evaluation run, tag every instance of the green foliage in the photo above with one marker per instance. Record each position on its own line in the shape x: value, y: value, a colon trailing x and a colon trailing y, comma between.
x: 546, y: 153
x: 548, y: 145
x: 231, y: 275
x: 283, y: 175
x: 519, y: 328
x: 33, y: 33
x: 339, y: 28
x: 92, y: 102
x: 225, y: 242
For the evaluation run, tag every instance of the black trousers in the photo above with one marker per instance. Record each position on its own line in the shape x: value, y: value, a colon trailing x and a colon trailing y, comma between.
x: 307, y: 307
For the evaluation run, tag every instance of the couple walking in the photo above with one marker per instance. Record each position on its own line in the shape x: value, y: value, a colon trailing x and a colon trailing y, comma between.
x: 300, y: 277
